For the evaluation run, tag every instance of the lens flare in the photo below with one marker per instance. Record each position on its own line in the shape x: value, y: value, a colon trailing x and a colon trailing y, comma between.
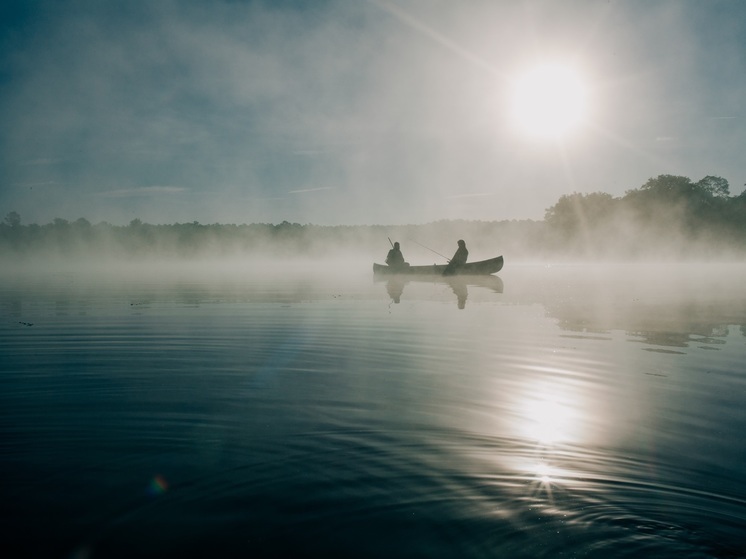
x: 157, y: 486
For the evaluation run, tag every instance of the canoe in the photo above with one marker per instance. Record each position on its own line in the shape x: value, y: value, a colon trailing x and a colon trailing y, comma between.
x: 481, y: 268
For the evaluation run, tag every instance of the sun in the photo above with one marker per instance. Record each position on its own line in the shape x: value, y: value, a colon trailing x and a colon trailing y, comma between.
x: 549, y: 101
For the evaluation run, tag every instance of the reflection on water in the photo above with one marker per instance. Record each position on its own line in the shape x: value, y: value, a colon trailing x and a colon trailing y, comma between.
x: 458, y: 284
x: 235, y: 415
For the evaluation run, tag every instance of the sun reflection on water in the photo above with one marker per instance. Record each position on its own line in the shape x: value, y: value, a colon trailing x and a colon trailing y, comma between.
x: 551, y: 417
x: 544, y: 472
x: 544, y: 477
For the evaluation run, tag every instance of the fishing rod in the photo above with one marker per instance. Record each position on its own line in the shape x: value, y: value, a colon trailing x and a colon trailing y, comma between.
x: 392, y: 244
x: 431, y: 250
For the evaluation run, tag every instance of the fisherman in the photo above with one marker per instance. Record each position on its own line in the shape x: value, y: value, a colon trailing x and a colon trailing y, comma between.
x: 395, y: 259
x: 458, y: 260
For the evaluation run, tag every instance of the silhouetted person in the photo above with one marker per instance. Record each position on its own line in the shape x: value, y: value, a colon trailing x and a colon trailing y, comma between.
x: 395, y: 259
x: 458, y: 260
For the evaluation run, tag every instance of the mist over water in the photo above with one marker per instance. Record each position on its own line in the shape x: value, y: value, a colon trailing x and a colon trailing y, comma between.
x: 245, y: 386
x: 295, y: 409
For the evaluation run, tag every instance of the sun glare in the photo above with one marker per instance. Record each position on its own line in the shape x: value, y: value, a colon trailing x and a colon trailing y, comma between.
x: 549, y: 421
x: 549, y: 101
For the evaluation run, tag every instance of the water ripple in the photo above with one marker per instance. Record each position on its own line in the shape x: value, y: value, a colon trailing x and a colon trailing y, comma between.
x: 294, y: 421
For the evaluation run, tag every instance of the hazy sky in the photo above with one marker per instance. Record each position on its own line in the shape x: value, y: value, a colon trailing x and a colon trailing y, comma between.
x: 356, y: 111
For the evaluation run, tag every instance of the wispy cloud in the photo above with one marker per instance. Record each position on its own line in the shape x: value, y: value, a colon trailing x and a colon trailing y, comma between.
x: 32, y: 184
x: 473, y: 195
x: 310, y: 190
x: 253, y: 107
x: 143, y: 191
x: 309, y: 152
x: 43, y: 161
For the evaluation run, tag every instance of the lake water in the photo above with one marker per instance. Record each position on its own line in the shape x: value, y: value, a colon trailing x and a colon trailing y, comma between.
x: 553, y: 411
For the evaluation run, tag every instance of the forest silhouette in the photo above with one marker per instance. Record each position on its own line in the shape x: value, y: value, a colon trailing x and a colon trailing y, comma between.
x: 669, y: 217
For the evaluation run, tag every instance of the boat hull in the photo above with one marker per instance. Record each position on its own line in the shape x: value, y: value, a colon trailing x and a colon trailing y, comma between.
x: 481, y: 268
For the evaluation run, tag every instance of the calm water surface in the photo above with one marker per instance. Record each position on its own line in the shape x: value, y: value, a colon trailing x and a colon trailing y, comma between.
x: 553, y: 411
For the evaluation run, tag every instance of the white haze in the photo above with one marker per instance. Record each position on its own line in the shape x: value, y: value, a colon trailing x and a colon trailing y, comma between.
x: 340, y: 112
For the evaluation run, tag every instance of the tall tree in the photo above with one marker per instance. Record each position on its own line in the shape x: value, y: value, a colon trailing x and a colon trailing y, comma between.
x: 13, y: 219
x: 717, y: 186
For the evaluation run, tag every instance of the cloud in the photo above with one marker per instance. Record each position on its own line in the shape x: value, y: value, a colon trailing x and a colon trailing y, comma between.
x: 474, y: 195
x: 43, y: 161
x: 40, y: 183
x: 143, y: 191
x: 309, y: 152
x: 399, y: 106
x: 310, y: 189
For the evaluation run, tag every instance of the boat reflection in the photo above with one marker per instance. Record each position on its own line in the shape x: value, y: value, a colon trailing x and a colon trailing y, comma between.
x: 458, y: 284
x: 395, y: 287
x: 460, y: 290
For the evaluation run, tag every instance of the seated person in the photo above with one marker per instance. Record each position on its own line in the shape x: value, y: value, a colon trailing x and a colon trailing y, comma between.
x: 458, y: 260
x: 395, y: 259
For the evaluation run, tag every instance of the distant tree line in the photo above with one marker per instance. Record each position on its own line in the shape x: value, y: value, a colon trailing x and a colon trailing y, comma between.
x: 669, y: 216
x: 62, y: 238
